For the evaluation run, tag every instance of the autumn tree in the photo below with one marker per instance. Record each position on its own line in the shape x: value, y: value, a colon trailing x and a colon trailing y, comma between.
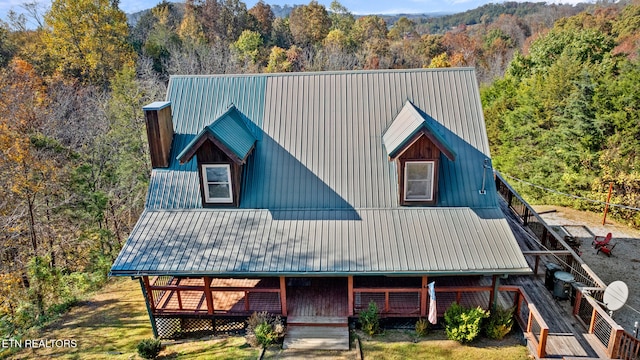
x: 87, y: 39
x: 264, y: 17
x: 309, y: 24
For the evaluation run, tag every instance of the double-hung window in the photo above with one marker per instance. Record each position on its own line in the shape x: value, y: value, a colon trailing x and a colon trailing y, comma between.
x: 418, y: 180
x: 217, y: 183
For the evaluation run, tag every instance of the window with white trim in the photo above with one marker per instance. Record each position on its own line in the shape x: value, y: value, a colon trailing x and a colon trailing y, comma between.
x: 217, y: 183
x: 418, y: 180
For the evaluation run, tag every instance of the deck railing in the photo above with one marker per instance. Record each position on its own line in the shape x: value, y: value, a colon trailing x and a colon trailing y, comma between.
x: 174, y: 295
x: 629, y: 348
x: 390, y: 301
x: 617, y: 342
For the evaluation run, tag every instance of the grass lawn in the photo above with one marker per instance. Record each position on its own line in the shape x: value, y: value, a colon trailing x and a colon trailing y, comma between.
x: 111, y: 323
x: 401, y: 345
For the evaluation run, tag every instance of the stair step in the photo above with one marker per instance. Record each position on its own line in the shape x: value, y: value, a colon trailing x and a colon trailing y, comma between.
x: 317, y: 321
x: 317, y: 338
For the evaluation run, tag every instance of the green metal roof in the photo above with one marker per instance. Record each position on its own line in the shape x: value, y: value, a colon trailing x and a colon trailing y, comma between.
x: 319, y: 137
x: 427, y: 241
x: 231, y: 130
x: 319, y: 194
x: 408, y: 123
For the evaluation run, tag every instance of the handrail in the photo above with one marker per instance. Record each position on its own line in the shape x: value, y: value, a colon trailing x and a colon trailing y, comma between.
x: 560, y: 239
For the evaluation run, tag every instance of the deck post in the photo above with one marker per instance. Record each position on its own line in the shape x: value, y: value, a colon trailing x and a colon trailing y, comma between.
x: 350, y: 294
x: 576, y: 305
x: 283, y: 295
x: 535, y: 268
x: 542, y: 345
x: 493, y: 298
x: 423, y: 296
x: 208, y: 295
x: 144, y: 284
x: 614, y: 343
x: 147, y: 288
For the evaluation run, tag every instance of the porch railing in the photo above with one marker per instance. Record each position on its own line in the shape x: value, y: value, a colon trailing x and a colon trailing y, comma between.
x: 174, y: 295
x: 390, y: 301
x: 616, y: 342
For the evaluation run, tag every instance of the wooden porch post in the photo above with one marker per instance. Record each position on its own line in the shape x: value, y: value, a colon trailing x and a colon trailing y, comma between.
x: 423, y: 296
x: 208, y: 295
x: 493, y: 298
x: 350, y: 294
x: 144, y: 284
x: 283, y: 295
x: 147, y: 287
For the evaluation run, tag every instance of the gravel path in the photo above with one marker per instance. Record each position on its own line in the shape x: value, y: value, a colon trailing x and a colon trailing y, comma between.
x: 624, y: 263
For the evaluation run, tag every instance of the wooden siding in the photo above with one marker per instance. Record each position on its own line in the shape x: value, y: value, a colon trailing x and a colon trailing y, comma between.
x: 419, y: 149
x: 160, y: 135
x: 209, y: 153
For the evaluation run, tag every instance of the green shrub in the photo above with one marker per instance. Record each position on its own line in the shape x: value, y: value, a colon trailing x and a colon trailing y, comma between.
x: 149, y: 348
x: 370, y: 319
x: 422, y: 327
x: 264, y: 329
x: 462, y: 324
x: 499, y: 324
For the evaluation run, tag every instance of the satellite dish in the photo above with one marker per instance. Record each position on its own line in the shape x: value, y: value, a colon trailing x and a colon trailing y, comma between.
x: 615, y: 295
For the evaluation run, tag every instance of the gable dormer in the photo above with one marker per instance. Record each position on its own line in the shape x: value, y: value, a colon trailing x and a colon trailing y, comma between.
x: 221, y: 150
x: 413, y: 143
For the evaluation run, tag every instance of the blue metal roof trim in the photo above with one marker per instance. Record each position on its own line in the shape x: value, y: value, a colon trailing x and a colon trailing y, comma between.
x: 231, y: 130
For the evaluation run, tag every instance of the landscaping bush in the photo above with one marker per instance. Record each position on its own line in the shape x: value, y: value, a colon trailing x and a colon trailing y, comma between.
x: 463, y: 324
x: 149, y: 348
x: 499, y: 324
x: 264, y: 329
x: 422, y: 327
x: 370, y: 319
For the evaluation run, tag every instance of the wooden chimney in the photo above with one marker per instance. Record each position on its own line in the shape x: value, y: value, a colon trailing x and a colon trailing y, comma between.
x: 159, y: 132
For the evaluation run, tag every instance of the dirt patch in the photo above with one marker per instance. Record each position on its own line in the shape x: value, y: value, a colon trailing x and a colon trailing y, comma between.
x: 624, y: 262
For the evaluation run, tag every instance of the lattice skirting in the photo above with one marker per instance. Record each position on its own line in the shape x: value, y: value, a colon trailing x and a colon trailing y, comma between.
x: 173, y: 327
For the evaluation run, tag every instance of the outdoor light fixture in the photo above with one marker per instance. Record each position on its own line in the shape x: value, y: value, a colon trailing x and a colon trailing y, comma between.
x: 485, y: 166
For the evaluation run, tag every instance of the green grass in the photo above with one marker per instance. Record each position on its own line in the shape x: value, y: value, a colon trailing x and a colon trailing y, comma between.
x: 111, y: 323
x: 400, y: 345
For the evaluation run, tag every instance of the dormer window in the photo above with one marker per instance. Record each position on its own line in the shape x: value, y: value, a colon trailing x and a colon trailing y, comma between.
x: 415, y: 145
x: 222, y: 150
x: 419, y: 180
x: 217, y: 183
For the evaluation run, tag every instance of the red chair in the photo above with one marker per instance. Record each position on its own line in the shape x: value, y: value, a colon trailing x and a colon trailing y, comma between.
x: 606, y: 249
x: 600, y: 243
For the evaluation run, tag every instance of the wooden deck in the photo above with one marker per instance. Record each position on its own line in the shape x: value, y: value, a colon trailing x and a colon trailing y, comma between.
x: 567, y: 335
x: 317, y: 297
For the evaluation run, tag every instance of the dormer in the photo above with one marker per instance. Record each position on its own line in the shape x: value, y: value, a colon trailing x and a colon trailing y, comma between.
x: 415, y: 145
x: 221, y: 150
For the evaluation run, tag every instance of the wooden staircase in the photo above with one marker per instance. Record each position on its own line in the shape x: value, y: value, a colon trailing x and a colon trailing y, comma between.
x: 317, y: 333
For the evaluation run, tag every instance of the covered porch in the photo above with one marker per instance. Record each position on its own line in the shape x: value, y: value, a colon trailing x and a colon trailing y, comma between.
x: 195, y: 303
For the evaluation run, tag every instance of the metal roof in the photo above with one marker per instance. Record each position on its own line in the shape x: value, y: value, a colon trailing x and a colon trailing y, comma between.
x: 430, y: 241
x: 231, y: 130
x: 319, y: 194
x: 405, y: 125
x: 320, y: 137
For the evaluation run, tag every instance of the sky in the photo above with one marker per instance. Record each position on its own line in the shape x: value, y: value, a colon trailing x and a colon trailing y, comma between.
x: 359, y: 7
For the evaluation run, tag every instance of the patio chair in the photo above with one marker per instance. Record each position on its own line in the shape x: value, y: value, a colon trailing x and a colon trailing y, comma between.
x: 606, y: 249
x: 600, y: 243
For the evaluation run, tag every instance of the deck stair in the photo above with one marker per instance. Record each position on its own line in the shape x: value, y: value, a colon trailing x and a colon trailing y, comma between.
x: 317, y: 333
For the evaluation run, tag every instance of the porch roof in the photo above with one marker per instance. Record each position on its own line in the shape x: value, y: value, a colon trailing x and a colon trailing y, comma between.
x: 261, y: 242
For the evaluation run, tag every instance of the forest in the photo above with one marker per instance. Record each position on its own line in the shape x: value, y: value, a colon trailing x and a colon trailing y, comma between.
x: 558, y: 85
